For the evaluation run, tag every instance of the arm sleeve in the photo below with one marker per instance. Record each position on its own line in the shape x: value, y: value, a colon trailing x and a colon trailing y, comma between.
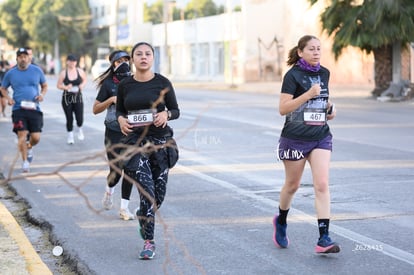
x: 289, y: 84
x: 120, y: 108
x: 103, y: 92
x: 5, y: 83
x: 171, y: 102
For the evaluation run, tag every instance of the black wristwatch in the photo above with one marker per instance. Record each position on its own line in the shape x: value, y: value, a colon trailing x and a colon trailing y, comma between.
x: 169, y: 115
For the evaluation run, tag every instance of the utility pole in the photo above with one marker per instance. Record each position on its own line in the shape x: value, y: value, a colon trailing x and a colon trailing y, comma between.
x: 230, y: 37
x: 165, y: 66
x: 57, y: 57
x: 167, y: 12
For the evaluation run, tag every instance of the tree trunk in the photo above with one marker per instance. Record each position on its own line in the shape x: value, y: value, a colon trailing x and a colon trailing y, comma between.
x: 382, y: 69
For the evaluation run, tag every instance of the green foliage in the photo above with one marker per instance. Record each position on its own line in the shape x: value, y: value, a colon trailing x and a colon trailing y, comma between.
x: 11, y: 25
x: 36, y: 17
x: 194, y: 9
x: 236, y: 8
x: 200, y: 8
x: 370, y: 25
x: 154, y: 13
x: 73, y: 18
x: 39, y: 23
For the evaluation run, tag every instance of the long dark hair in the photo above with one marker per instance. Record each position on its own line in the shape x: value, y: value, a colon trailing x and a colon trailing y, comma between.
x: 109, y: 73
x: 293, y: 57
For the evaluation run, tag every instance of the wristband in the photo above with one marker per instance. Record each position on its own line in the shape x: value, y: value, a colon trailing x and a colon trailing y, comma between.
x: 331, y: 109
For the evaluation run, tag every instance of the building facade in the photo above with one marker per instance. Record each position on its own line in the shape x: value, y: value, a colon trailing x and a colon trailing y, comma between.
x: 234, y: 47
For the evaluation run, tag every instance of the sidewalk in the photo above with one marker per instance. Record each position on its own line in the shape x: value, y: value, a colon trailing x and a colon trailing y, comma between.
x: 17, y: 255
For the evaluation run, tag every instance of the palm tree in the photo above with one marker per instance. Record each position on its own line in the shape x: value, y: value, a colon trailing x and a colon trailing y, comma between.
x: 377, y: 26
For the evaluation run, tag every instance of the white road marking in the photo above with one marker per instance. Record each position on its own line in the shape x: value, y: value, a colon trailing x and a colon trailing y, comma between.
x: 388, y: 250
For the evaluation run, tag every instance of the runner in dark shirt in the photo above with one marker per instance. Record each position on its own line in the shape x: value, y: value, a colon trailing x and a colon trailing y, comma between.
x: 105, y: 100
x: 306, y: 137
x: 145, y: 103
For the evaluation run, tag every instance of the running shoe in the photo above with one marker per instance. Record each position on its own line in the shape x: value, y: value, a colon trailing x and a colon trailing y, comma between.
x: 26, y: 166
x: 125, y: 214
x: 30, y: 155
x: 70, y: 140
x: 279, y: 235
x: 326, y: 245
x: 107, y: 201
x: 147, y: 252
x: 80, y: 134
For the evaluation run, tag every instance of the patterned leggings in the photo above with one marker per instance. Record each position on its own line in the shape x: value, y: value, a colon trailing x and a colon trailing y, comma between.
x: 151, y: 176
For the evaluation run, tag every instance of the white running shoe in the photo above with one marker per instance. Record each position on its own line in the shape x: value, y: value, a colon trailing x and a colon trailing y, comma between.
x: 80, y: 134
x: 26, y: 167
x: 107, y: 201
x: 30, y: 155
x: 71, y: 140
x: 125, y: 214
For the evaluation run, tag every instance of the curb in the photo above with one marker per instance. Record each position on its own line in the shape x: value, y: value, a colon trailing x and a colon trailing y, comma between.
x: 34, y: 264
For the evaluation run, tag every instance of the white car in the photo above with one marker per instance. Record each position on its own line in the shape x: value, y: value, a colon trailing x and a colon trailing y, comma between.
x: 100, y: 66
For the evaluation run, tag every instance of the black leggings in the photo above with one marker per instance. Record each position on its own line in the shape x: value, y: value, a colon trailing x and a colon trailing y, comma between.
x: 113, y: 138
x: 72, y: 103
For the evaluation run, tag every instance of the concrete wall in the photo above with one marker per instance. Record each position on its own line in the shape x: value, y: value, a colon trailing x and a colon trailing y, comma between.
x: 246, y: 46
x: 287, y: 21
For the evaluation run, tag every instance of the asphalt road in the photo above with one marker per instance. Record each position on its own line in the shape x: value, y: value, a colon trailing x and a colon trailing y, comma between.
x: 222, y: 195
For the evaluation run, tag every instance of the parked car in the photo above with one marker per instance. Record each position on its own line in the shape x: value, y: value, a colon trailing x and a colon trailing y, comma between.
x: 100, y: 66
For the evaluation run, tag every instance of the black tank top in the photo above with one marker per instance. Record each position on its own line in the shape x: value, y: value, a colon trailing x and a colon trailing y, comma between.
x: 75, y: 82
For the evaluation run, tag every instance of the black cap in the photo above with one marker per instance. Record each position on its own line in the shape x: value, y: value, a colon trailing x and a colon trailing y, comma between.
x: 21, y: 51
x: 119, y: 55
x: 72, y: 57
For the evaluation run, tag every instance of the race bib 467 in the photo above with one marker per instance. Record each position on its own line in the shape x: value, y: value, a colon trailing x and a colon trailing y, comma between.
x: 314, y: 116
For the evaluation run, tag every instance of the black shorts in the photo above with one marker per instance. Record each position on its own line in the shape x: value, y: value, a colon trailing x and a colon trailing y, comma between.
x: 29, y: 120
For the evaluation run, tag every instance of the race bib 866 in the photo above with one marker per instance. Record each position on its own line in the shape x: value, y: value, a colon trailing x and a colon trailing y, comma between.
x: 141, y: 117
